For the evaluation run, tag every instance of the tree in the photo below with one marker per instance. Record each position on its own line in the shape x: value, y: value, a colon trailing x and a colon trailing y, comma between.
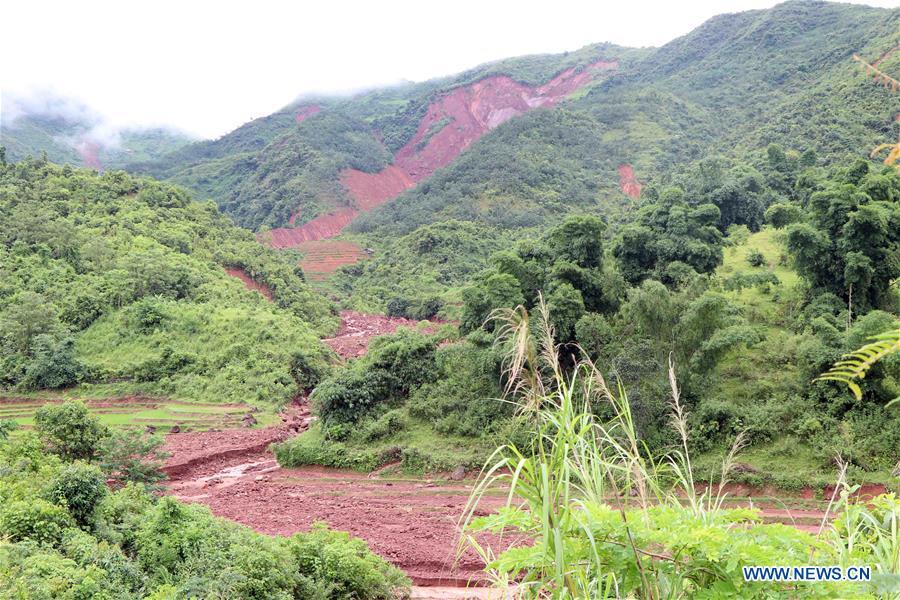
x: 850, y: 244
x: 667, y: 232
x: 69, y: 430
x: 782, y: 214
x: 132, y: 456
x: 79, y: 487
x: 491, y: 290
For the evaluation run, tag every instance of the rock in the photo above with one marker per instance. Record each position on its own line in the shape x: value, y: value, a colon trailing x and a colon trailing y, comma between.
x: 458, y: 473
x: 249, y: 420
x: 150, y: 429
x: 744, y: 468
x: 175, y: 429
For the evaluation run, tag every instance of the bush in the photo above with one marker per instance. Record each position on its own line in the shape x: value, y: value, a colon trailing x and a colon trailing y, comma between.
x: 133, y: 456
x: 54, y: 364
x: 756, y: 258
x: 310, y: 448
x: 352, y: 394
x: 79, y: 487
x: 346, y: 564
x: 36, y: 520
x: 69, y: 431
x: 460, y: 399
x: 387, y: 424
x: 306, y: 370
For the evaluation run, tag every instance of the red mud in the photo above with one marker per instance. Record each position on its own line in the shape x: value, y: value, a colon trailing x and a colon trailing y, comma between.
x: 469, y: 112
x: 410, y: 523
x: 627, y: 182
x: 358, y: 329
x: 249, y: 282
x: 304, y: 112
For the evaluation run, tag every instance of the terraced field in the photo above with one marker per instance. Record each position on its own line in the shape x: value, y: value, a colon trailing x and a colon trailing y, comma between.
x: 321, y: 258
x: 140, y: 411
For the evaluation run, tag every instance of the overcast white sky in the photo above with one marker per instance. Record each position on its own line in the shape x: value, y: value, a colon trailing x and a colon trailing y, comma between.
x: 207, y: 67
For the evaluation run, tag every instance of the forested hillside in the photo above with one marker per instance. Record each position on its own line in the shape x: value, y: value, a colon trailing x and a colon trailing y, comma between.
x: 118, y: 285
x: 69, y: 132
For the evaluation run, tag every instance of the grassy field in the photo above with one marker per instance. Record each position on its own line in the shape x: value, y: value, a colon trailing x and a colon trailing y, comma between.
x: 138, y: 411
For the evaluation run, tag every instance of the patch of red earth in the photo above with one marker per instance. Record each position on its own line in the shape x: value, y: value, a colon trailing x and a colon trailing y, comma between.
x: 887, y: 54
x: 369, y: 190
x: 249, y: 282
x: 627, y: 182
x: 89, y: 150
x: 473, y: 110
x: 358, y: 329
x: 321, y: 258
x: 321, y: 227
x: 304, y: 112
x: 412, y: 524
x: 469, y: 111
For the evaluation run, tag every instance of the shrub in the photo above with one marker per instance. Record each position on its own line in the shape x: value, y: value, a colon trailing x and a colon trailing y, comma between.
x: 6, y: 427
x: 756, y: 258
x: 132, y: 456
x: 54, y: 364
x: 458, y: 401
x: 309, y: 448
x: 346, y: 564
x: 352, y: 394
x: 79, y: 487
x: 387, y: 424
x: 306, y: 370
x: 36, y: 520
x: 68, y: 430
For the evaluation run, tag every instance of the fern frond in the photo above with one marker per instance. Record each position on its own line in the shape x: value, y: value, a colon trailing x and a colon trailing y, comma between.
x: 857, y: 364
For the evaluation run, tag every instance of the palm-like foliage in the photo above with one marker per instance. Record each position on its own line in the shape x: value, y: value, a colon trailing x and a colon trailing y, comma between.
x: 856, y: 365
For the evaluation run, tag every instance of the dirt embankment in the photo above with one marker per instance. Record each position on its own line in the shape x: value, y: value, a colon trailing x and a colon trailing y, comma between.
x: 321, y: 227
x: 627, y: 182
x: 249, y: 282
x: 452, y: 122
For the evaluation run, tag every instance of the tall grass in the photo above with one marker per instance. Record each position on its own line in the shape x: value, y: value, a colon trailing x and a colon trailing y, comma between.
x: 607, y: 519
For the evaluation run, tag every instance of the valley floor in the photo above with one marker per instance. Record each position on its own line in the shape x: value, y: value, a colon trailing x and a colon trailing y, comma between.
x: 411, y: 522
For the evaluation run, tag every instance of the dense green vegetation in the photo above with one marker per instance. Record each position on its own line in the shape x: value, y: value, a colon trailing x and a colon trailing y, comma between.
x: 745, y: 316
x: 116, y: 281
x: 65, y: 535
x: 569, y: 491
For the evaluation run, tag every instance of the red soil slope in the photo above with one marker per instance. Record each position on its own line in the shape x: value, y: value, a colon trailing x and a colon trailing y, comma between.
x: 249, y: 282
x: 371, y: 189
x: 321, y: 258
x: 305, y: 112
x: 324, y: 226
x: 629, y: 185
x: 452, y: 123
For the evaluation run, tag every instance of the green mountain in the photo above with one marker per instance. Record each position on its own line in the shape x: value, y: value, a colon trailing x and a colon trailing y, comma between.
x: 599, y: 121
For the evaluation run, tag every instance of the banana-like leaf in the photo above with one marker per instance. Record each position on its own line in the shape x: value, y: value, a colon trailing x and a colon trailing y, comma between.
x: 857, y: 364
